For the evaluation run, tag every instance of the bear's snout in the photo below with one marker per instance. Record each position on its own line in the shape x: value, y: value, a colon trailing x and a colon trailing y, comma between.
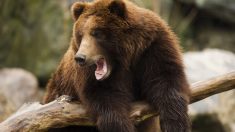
x: 80, y: 59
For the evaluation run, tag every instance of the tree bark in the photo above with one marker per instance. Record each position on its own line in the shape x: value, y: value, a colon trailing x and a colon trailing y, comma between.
x: 64, y: 112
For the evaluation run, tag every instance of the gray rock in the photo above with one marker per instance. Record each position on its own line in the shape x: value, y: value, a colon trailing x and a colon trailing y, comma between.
x: 207, y: 64
x: 17, y: 86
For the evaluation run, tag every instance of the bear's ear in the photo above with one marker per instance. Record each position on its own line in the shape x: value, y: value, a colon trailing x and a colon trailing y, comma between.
x: 77, y: 9
x: 118, y: 8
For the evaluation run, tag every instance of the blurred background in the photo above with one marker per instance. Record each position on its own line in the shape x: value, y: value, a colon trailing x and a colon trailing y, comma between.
x: 34, y: 35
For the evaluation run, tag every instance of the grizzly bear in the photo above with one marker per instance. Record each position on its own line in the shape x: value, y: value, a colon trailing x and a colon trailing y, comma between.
x: 121, y: 53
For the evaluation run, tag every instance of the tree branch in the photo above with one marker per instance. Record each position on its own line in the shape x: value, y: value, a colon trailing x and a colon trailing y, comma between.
x: 63, y: 112
x: 204, y: 89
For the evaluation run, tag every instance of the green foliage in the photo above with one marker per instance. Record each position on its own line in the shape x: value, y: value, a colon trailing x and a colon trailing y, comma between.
x: 34, y: 34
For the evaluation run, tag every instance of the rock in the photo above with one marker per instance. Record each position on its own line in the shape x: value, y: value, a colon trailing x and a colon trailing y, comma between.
x: 17, y: 86
x: 207, y: 64
x: 5, y: 107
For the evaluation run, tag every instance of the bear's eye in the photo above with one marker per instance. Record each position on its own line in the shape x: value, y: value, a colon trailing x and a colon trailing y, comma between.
x: 97, y: 34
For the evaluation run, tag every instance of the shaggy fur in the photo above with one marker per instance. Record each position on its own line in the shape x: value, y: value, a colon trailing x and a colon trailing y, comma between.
x: 147, y: 65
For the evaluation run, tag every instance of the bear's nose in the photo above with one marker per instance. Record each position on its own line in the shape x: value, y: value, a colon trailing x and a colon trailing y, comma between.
x: 80, y: 59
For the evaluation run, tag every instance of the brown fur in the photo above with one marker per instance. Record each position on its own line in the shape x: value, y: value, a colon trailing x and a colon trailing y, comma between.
x: 146, y: 63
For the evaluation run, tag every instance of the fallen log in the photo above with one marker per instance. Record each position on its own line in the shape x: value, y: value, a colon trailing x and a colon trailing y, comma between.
x: 63, y: 112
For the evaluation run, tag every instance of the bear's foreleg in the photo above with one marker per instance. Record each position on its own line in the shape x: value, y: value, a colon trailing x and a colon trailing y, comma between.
x: 165, y: 91
x: 164, y: 85
x: 173, y: 111
x: 164, y: 96
x: 114, y: 121
x: 110, y: 110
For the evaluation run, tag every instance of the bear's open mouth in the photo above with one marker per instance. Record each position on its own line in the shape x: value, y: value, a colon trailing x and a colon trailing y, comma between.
x: 102, y: 69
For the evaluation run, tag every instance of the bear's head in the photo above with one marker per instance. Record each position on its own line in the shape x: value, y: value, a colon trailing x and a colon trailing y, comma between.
x: 99, y: 35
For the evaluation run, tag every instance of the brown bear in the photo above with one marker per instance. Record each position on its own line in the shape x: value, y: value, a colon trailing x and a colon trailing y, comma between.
x: 120, y: 53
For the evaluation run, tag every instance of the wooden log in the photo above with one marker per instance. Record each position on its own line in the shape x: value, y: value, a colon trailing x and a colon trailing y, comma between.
x: 64, y: 112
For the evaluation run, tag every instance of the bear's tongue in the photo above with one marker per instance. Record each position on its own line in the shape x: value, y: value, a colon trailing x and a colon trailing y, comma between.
x: 101, y: 69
